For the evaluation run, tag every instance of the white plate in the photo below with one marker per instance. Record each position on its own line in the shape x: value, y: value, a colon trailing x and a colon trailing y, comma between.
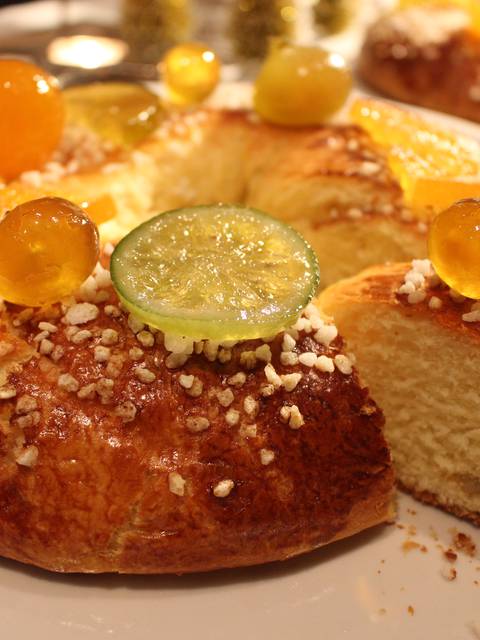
x: 370, y: 587
x: 54, y: 14
x: 358, y: 589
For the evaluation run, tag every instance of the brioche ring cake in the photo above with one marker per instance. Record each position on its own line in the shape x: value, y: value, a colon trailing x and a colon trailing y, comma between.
x: 417, y: 344
x: 425, y: 55
x: 120, y: 455
x: 331, y: 182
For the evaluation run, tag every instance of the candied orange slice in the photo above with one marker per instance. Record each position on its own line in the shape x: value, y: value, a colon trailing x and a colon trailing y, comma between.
x: 434, y: 167
x: 100, y: 209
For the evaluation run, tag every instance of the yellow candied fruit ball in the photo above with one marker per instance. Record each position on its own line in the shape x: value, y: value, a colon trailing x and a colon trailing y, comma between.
x: 31, y: 117
x: 301, y: 85
x: 124, y: 113
x: 48, y: 247
x: 454, y: 246
x: 191, y: 72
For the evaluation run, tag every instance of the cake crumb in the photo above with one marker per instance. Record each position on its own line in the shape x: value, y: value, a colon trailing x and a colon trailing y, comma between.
x: 411, y: 610
x: 464, y: 543
x: 449, y: 573
x: 450, y: 555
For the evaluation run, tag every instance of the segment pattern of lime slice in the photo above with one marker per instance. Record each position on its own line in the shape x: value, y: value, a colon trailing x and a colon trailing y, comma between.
x: 219, y: 272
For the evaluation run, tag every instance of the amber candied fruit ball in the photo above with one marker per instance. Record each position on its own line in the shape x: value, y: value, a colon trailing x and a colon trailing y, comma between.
x: 454, y: 246
x: 191, y: 72
x: 32, y: 116
x: 48, y: 247
x: 300, y: 85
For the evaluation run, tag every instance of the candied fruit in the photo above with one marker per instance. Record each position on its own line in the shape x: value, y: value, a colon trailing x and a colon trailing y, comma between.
x: 191, y: 72
x: 434, y: 167
x: 32, y: 110
x: 300, y: 85
x: 101, y: 209
x: 454, y: 246
x: 48, y: 247
x: 122, y: 112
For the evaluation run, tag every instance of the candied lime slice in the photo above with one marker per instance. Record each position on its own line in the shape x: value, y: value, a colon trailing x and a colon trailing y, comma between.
x: 122, y: 112
x: 223, y: 272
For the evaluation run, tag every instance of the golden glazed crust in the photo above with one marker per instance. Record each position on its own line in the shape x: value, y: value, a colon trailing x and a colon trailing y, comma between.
x: 441, y: 73
x: 98, y: 498
x: 379, y: 285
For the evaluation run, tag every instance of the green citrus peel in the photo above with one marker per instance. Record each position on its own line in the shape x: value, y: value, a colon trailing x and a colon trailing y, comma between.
x: 220, y: 272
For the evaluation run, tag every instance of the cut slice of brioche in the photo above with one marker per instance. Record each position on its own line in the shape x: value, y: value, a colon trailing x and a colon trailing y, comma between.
x: 345, y: 246
x: 422, y: 366
x: 331, y: 182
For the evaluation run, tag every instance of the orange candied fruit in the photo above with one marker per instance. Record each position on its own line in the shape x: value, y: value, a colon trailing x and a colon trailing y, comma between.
x: 32, y: 117
x: 454, y: 246
x: 434, y: 167
x: 48, y: 247
x: 191, y: 72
